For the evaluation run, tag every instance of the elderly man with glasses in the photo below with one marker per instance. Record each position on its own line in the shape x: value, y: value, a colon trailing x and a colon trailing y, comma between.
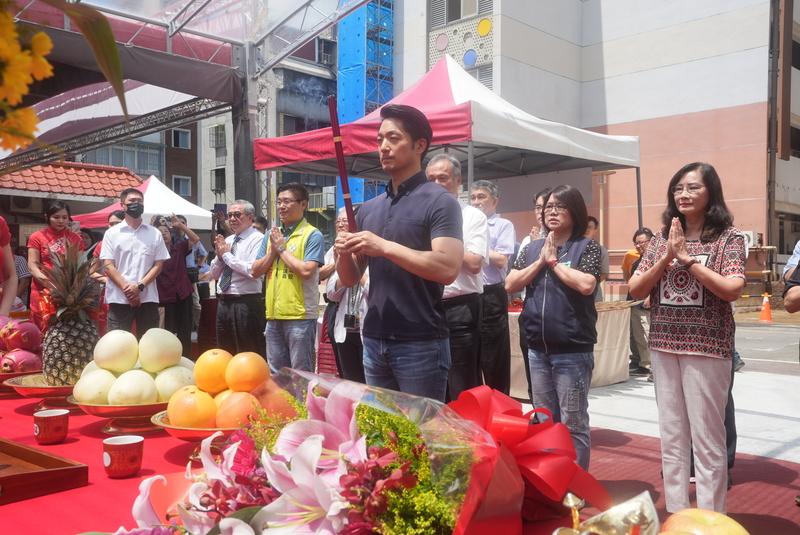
x: 293, y: 256
x: 240, y: 312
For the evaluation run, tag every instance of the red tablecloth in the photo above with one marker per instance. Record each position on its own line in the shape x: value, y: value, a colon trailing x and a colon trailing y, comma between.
x: 105, y: 504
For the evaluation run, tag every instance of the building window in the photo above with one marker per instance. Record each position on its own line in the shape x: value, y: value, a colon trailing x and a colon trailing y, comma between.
x: 796, y: 55
x: 181, y: 139
x: 216, y: 136
x: 182, y: 185
x: 326, y: 52
x: 218, y: 180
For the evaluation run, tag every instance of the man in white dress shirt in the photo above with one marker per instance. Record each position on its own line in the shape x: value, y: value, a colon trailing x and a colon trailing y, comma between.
x: 133, y: 254
x: 462, y: 299
x: 241, y: 317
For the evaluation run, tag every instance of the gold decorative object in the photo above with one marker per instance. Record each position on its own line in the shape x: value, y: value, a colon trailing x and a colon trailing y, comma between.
x: 637, y: 516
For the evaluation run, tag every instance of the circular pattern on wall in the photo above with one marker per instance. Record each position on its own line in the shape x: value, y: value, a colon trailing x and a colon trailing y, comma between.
x: 442, y: 41
x: 484, y: 27
x: 470, y: 57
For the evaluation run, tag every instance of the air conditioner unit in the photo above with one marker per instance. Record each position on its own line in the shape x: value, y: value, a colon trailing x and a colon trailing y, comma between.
x: 751, y: 236
x: 26, y: 205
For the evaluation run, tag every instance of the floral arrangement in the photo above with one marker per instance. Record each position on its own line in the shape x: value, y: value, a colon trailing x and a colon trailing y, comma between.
x: 22, y: 61
x: 358, y: 461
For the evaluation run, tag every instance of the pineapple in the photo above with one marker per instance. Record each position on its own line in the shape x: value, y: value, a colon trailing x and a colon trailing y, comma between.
x: 69, y: 341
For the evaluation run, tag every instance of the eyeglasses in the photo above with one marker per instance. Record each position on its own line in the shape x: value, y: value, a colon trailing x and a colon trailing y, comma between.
x: 557, y: 208
x: 641, y: 243
x: 340, y: 223
x: 538, y: 208
x: 284, y: 203
x: 691, y: 189
x: 235, y: 215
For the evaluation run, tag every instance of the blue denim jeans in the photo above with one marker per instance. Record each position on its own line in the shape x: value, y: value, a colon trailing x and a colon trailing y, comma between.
x: 418, y: 367
x: 290, y: 344
x: 560, y: 383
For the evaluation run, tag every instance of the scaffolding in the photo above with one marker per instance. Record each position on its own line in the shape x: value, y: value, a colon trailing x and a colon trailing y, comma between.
x: 379, y: 60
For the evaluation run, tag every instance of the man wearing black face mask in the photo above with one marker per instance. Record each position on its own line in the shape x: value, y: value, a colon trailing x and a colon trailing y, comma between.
x: 133, y: 254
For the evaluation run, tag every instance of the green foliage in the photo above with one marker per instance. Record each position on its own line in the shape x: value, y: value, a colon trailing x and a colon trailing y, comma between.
x: 269, y: 425
x: 423, y: 509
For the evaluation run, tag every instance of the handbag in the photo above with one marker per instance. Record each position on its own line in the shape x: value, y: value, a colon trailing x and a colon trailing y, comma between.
x: 194, y: 274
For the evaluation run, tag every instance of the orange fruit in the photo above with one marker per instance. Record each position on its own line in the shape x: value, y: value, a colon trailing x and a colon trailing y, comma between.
x: 191, y: 407
x: 274, y: 401
x: 209, y: 370
x: 237, y: 409
x: 219, y: 398
x: 246, y: 372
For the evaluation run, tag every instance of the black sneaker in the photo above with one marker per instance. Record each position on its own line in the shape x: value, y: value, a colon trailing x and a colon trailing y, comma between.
x: 639, y: 371
x: 738, y: 364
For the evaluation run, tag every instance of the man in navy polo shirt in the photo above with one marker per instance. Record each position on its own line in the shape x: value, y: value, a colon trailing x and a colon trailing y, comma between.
x: 410, y: 237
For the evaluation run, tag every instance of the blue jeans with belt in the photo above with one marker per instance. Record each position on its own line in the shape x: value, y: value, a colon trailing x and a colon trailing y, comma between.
x: 560, y: 383
x: 418, y: 367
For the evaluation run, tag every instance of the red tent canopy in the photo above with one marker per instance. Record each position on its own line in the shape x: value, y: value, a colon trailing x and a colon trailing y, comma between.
x: 467, y: 117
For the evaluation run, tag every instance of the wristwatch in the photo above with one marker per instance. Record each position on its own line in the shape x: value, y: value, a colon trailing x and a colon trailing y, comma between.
x: 281, y: 249
x: 141, y: 287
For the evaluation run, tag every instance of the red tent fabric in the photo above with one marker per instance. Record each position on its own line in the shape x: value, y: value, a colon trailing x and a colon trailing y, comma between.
x: 472, y: 120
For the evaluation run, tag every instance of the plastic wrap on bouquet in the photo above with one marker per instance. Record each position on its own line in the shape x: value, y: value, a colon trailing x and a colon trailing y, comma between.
x: 462, y: 455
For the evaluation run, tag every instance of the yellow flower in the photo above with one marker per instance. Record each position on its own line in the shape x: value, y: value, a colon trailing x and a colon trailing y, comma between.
x: 16, y: 71
x: 41, y: 45
x: 17, y: 128
x: 8, y: 31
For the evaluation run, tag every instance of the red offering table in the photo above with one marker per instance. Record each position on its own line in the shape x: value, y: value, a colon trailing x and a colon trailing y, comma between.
x: 105, y: 504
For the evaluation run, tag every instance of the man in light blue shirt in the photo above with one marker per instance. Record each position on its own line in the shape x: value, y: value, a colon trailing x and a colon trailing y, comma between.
x: 495, y: 359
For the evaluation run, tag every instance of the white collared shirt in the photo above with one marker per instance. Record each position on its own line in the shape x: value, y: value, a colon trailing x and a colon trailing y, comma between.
x: 476, y: 240
x: 241, y: 262
x: 134, y: 252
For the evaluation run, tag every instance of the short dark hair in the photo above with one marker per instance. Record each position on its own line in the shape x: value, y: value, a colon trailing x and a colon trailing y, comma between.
x: 182, y: 218
x: 91, y: 235
x: 53, y: 207
x: 415, y: 123
x: 297, y: 189
x: 119, y: 214
x: 261, y: 220
x: 644, y: 230
x: 717, y: 217
x: 129, y: 191
x: 593, y: 219
x: 576, y: 207
x: 542, y: 193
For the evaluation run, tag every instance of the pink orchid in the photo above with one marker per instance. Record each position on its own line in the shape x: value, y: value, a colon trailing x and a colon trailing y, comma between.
x: 308, y: 503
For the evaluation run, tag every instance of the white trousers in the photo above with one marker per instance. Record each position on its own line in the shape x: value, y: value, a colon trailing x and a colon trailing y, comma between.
x: 691, y: 394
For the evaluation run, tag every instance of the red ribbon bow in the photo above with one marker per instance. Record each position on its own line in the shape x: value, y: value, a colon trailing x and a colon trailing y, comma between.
x: 543, y: 452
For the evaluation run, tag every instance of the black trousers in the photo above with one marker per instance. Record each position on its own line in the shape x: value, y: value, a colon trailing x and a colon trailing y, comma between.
x: 351, y: 357
x: 241, y: 324
x: 122, y: 316
x: 495, y: 356
x: 464, y: 319
x: 178, y: 321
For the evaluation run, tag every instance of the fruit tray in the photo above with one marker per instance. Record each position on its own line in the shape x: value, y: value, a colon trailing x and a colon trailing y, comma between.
x: 124, y: 419
x: 27, y: 472
x: 13, y: 375
x: 187, y: 433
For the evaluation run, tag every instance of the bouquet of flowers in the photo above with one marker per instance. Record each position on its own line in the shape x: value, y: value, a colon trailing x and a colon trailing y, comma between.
x: 360, y: 460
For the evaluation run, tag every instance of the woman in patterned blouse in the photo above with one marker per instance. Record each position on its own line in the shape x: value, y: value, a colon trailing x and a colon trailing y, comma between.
x: 692, y: 269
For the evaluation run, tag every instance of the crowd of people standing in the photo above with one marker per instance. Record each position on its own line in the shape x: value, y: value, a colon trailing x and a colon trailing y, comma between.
x: 419, y: 292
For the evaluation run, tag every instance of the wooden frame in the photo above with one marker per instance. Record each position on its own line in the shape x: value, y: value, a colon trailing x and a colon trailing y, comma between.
x: 27, y: 472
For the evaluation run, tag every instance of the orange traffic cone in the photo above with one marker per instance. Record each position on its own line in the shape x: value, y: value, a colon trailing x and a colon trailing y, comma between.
x: 766, y: 311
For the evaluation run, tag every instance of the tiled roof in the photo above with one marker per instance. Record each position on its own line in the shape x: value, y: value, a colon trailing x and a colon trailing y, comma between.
x: 70, y: 178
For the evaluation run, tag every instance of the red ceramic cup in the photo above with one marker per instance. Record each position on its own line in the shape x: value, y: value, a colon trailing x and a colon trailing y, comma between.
x: 51, y: 426
x: 122, y: 456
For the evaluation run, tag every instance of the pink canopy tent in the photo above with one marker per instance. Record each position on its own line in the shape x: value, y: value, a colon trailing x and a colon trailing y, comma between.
x: 494, y: 138
x: 158, y: 199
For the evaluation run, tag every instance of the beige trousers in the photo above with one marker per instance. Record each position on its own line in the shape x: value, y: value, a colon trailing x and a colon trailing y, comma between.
x: 691, y: 394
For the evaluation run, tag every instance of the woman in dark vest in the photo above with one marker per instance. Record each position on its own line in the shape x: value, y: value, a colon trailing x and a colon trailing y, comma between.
x: 560, y: 273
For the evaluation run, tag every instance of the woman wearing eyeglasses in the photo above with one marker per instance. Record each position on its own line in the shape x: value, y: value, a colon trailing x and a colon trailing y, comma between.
x: 560, y: 273
x: 692, y: 269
